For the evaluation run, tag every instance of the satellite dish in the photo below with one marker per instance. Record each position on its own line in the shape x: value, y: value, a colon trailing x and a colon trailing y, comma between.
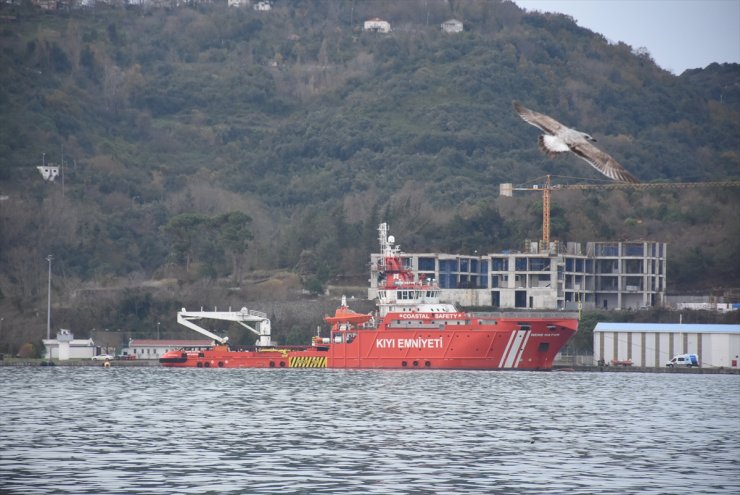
x: 391, y: 239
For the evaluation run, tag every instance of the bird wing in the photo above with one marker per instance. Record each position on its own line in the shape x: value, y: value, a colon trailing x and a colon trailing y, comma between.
x: 539, y: 120
x: 603, y: 162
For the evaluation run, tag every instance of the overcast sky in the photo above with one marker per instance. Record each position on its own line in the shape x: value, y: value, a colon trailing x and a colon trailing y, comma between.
x: 678, y: 34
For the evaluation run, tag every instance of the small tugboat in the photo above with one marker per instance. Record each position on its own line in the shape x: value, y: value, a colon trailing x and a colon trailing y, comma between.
x: 415, y: 330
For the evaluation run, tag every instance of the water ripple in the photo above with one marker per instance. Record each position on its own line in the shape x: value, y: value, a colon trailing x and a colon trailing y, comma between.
x: 161, y: 431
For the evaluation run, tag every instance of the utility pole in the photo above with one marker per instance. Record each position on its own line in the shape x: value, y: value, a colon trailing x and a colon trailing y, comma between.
x: 48, y: 301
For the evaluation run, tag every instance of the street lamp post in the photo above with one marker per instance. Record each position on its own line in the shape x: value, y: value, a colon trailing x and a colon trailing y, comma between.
x: 48, y: 301
x: 157, y: 330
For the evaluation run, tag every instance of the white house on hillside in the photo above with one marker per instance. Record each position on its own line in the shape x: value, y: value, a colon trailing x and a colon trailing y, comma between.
x: 49, y: 172
x: 377, y: 25
x: 452, y: 26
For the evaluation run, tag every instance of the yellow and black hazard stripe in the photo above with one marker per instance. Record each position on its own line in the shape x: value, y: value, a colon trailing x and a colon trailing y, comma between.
x: 308, y: 362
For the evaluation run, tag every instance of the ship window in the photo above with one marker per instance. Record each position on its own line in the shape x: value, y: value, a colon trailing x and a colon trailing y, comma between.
x: 544, y: 346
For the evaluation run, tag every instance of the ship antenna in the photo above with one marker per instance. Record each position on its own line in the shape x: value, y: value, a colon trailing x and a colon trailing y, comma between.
x: 383, y: 238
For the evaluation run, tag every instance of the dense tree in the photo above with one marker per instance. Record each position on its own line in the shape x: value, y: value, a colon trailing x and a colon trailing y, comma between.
x: 233, y: 231
x: 309, y: 132
x: 184, y: 232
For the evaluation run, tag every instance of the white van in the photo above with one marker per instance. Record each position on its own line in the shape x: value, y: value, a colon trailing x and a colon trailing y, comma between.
x: 687, y: 360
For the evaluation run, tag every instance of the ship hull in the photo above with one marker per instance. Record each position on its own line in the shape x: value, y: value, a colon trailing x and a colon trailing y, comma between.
x: 525, y: 344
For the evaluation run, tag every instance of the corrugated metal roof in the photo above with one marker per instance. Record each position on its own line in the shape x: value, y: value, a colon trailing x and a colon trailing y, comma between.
x: 666, y: 327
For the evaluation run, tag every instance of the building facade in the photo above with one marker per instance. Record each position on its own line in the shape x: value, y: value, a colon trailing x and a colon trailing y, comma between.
x: 154, y: 349
x: 452, y: 26
x: 65, y: 347
x: 49, y: 172
x: 377, y: 25
x: 605, y: 275
x: 653, y: 344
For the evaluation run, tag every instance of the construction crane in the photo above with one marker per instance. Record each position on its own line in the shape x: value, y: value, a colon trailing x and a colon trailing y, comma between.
x: 507, y: 190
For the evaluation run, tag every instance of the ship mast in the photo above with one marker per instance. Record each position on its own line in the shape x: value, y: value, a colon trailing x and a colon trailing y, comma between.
x: 397, y: 288
x: 390, y: 263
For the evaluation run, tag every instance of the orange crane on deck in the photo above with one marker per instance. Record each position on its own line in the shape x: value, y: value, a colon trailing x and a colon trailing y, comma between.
x: 507, y: 190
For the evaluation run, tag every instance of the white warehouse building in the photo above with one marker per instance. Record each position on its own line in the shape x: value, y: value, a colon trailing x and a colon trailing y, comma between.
x: 651, y: 345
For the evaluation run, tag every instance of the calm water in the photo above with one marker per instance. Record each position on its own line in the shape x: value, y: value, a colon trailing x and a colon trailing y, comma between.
x: 154, y: 430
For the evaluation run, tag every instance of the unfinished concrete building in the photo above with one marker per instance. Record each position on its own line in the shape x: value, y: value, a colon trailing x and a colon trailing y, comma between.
x: 605, y: 275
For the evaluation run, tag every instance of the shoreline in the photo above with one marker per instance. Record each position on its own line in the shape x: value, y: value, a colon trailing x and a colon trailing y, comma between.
x: 142, y: 363
x: 147, y: 363
x: 641, y: 369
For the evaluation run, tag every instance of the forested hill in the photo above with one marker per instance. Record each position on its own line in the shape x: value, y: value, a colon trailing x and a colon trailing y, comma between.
x: 204, y: 143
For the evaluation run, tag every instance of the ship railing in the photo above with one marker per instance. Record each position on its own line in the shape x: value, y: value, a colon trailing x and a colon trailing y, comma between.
x: 399, y: 284
x: 560, y: 315
x: 271, y: 348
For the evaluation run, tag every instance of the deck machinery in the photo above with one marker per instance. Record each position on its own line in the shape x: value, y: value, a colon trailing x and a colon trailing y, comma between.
x: 254, y: 321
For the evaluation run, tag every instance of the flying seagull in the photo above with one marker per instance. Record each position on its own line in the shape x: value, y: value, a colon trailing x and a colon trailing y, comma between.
x: 558, y: 139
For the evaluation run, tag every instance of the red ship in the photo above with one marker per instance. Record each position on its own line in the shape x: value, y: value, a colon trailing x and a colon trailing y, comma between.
x: 414, y: 330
